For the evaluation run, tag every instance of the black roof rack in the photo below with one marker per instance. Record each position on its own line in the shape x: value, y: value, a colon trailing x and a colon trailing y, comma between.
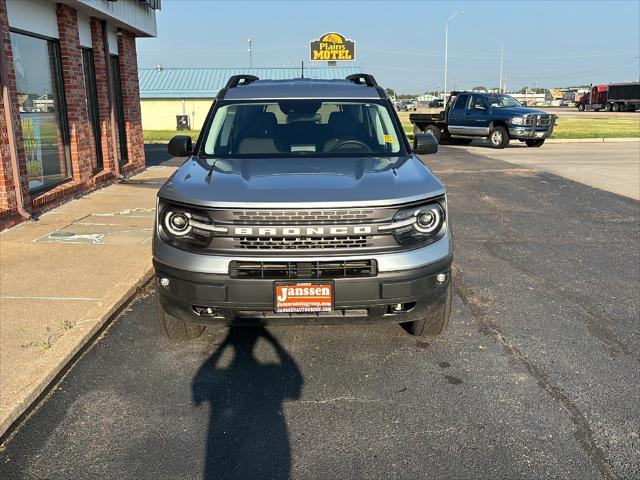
x: 363, y: 78
x: 236, y: 80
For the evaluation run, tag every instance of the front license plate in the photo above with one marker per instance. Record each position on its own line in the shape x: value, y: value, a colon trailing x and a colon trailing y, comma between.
x: 540, y: 134
x: 303, y: 297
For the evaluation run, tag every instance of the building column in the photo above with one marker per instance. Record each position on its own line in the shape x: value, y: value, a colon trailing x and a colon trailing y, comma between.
x: 131, y: 97
x: 7, y: 189
x: 80, y: 135
x: 102, y: 89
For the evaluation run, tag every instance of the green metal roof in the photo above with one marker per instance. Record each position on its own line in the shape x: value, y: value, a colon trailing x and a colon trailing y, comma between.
x: 206, y: 82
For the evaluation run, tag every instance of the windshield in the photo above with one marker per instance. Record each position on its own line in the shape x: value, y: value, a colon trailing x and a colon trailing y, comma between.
x: 499, y: 101
x: 302, y: 128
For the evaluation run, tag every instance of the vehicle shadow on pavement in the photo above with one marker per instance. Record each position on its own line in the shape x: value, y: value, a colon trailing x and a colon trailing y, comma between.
x: 247, y: 435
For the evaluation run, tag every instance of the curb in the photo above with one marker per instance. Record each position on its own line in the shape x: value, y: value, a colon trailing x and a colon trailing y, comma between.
x: 594, y: 140
x: 74, y: 346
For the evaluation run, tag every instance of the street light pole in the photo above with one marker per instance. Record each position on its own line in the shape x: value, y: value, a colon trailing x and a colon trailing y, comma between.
x: 446, y: 48
x: 501, y: 59
x: 500, y: 78
x: 250, y: 60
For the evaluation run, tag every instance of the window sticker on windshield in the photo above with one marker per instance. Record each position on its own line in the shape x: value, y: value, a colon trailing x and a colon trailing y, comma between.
x: 303, y: 148
x: 388, y: 139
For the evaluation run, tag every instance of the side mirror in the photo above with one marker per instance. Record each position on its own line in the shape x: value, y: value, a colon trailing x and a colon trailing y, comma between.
x: 180, y: 146
x: 425, y: 143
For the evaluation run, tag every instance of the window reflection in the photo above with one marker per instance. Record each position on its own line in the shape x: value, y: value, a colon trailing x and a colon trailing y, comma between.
x: 40, y: 110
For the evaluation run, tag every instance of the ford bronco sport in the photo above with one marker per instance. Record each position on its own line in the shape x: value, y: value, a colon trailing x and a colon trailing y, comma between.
x: 302, y: 203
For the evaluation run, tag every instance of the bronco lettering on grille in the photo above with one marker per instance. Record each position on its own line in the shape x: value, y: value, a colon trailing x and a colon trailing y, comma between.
x: 310, y: 231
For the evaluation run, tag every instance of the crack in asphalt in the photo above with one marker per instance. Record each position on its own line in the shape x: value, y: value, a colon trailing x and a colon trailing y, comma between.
x: 583, y: 433
x: 594, y: 321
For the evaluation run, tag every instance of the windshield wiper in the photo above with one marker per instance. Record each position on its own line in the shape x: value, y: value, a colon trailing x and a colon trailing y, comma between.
x: 210, y: 174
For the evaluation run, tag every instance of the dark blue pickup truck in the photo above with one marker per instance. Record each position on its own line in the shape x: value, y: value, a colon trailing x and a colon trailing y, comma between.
x: 495, y: 116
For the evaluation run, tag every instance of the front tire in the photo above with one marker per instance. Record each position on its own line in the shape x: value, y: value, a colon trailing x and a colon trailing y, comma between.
x: 174, y: 328
x: 535, y: 142
x: 498, y: 137
x: 436, y: 322
x: 581, y: 107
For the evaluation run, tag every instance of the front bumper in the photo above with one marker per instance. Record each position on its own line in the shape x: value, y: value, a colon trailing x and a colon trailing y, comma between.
x: 529, y: 133
x: 250, y: 301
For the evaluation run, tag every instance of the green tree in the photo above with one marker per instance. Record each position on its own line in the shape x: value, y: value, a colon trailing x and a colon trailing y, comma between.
x: 390, y: 92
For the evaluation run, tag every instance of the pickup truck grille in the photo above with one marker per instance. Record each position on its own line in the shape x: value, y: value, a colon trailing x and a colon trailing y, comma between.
x: 539, y: 120
x: 306, y: 270
x: 300, y: 243
x: 300, y: 217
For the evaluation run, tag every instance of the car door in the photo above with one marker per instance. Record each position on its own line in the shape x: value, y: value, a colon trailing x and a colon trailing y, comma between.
x: 456, y: 121
x: 477, y: 118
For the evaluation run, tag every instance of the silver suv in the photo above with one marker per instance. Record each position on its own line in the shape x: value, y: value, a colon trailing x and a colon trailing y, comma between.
x: 302, y: 202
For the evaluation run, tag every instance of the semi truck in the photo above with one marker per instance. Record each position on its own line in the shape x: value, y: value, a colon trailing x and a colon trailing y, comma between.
x: 615, y: 97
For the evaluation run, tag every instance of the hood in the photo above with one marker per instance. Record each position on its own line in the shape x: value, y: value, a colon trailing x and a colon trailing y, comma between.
x: 519, y: 111
x: 314, y: 182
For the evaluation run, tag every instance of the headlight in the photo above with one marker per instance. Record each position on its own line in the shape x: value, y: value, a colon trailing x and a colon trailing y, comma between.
x: 516, y: 121
x: 423, y: 224
x: 428, y: 220
x: 177, y: 223
x: 187, y: 225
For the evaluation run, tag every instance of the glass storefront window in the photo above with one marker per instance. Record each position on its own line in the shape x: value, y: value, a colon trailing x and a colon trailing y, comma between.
x: 41, y: 110
x: 89, y: 68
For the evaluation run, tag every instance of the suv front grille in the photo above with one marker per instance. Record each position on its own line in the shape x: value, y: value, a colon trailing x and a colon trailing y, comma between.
x: 300, y: 217
x: 306, y: 270
x: 302, y: 243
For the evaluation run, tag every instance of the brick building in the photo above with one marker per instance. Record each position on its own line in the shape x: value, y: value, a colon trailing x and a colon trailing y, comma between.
x: 70, y: 118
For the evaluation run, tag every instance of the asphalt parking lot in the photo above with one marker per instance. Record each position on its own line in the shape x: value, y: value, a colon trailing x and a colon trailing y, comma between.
x: 614, y: 167
x: 537, y: 377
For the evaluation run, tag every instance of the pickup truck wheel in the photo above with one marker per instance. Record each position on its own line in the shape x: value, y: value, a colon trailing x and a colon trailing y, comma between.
x: 615, y: 107
x: 435, y: 131
x: 581, y: 107
x: 538, y: 142
x: 435, y: 323
x: 174, y: 328
x: 498, y: 137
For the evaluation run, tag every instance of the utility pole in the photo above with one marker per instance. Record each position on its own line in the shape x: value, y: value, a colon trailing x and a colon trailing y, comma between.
x: 250, y: 59
x: 446, y: 47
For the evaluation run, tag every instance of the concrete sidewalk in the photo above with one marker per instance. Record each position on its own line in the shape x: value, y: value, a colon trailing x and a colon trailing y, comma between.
x: 64, y: 276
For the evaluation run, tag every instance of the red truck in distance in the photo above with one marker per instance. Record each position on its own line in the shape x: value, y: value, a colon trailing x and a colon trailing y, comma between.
x: 616, y: 97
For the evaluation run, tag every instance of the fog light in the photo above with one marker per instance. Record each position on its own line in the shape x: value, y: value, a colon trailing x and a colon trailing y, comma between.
x: 441, y: 277
x: 164, y: 282
x: 398, y: 307
x: 206, y: 311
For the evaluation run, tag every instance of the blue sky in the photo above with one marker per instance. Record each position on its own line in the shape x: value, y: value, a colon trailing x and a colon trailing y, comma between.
x: 551, y: 43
